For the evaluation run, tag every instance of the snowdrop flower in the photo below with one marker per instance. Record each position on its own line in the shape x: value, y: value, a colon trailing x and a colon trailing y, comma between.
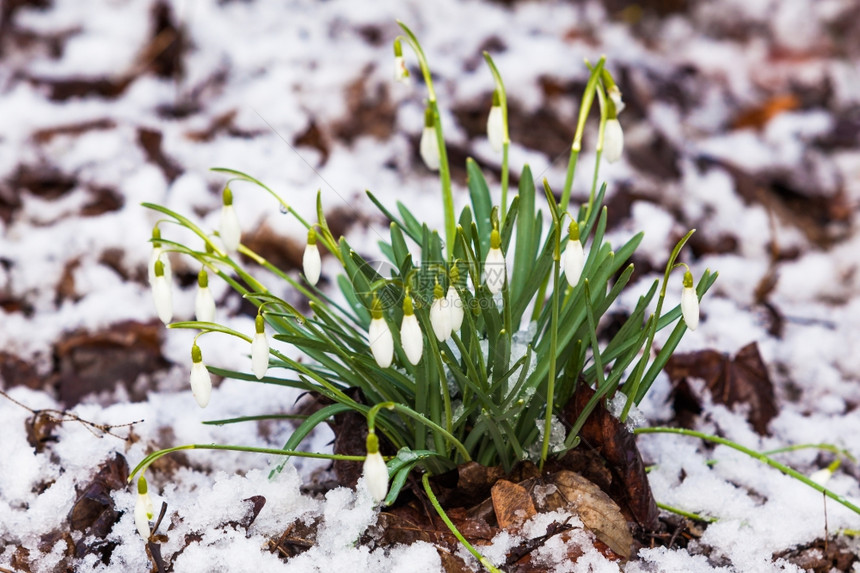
x: 821, y: 476
x: 379, y: 336
x: 573, y: 259
x: 410, y: 333
x: 496, y: 124
x: 615, y: 95
x: 429, y: 145
x: 157, y: 251
x: 259, y: 349
x: 143, y: 509
x: 201, y: 381
x: 311, y: 259
x: 455, y: 308
x: 375, y: 471
x: 204, y: 304
x: 162, y: 294
x: 690, y: 302
x: 495, y: 270
x: 401, y: 72
x: 229, y: 230
x: 440, y: 315
x: 613, y: 140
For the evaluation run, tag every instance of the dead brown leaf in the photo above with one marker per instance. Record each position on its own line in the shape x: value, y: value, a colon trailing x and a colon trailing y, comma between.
x: 742, y: 380
x: 512, y: 503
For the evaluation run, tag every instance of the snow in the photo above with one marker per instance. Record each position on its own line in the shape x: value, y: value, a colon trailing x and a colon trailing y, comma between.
x: 284, y: 65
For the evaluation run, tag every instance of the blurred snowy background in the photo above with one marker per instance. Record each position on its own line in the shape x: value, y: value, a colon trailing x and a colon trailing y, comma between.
x: 742, y: 121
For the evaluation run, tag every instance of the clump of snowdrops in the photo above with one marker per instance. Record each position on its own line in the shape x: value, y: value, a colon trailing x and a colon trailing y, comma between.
x: 473, y: 339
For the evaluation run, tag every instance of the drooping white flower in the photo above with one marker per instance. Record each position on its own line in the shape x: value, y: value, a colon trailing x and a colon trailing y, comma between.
x: 229, y: 229
x: 311, y: 262
x: 375, y: 471
x: 401, y: 72
x: 613, y: 140
x: 410, y: 333
x: 143, y: 511
x: 379, y: 337
x: 573, y: 259
x: 204, y: 302
x: 455, y: 308
x: 689, y: 302
x: 496, y: 125
x: 440, y: 315
x: 429, y: 144
x: 158, y: 253
x: 821, y: 476
x: 201, y: 381
x: 259, y: 349
x: 162, y: 294
x: 615, y: 95
x: 495, y: 269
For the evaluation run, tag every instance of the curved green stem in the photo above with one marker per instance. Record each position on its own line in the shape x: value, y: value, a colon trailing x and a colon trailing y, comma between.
x: 646, y: 352
x: 483, y: 560
x: 148, y: 460
x: 687, y: 514
x: 753, y: 454
x: 506, y: 140
x: 371, y: 423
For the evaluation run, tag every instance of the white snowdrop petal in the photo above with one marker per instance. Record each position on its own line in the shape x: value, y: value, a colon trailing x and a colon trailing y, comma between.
x: 690, y: 307
x: 401, y: 73
x: 496, y: 128
x: 311, y: 263
x: 455, y: 308
x: 376, y: 476
x: 381, y: 342
x: 440, y: 319
x: 204, y: 305
x: 429, y: 148
x: 495, y: 270
x: 613, y: 141
x: 821, y: 476
x: 201, y: 383
x: 573, y: 261
x: 411, y: 338
x: 163, y: 298
x: 142, y: 513
x: 259, y: 355
x: 229, y: 229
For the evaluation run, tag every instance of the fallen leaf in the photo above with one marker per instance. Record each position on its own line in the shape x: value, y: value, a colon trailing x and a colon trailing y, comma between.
x: 617, y: 446
x: 742, y: 380
x: 94, y: 509
x: 757, y: 117
x: 512, y: 503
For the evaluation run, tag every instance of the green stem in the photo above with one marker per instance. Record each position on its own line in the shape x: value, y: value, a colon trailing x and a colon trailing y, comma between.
x: 646, y: 353
x: 483, y: 560
x: 371, y: 423
x: 687, y: 514
x: 553, y: 347
x: 506, y: 141
x: 148, y: 460
x: 568, y: 179
x: 753, y: 454
x: 444, y: 170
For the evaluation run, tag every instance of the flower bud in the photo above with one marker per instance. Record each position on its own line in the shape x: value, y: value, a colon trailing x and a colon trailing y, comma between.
x: 401, y: 72
x: 311, y: 262
x: 440, y: 316
x: 574, y: 257
x: 455, y: 308
x: 143, y: 509
x: 495, y: 268
x: 201, y: 381
x: 375, y: 472
x: 496, y: 125
x: 162, y: 294
x: 204, y: 303
x: 410, y: 333
x: 690, y: 302
x: 613, y: 140
x: 429, y: 144
x: 229, y: 229
x: 259, y: 349
x: 379, y: 337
